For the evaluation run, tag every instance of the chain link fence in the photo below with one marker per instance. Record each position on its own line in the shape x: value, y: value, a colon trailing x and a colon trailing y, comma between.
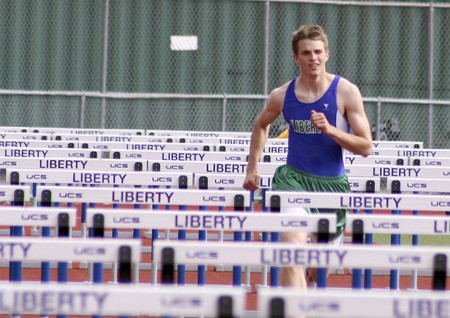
x: 116, y: 64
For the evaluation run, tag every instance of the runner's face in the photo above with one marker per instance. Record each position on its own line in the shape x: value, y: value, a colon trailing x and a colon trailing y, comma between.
x: 311, y: 57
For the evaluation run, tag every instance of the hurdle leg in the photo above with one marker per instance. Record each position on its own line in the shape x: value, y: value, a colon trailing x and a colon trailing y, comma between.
x: 248, y: 238
x: 45, y: 266
x: 368, y: 238
x: 63, y: 231
x: 394, y: 273
x: 15, y: 267
x: 115, y: 234
x: 155, y: 236
x: 264, y: 238
x: 181, y: 268
x: 357, y: 238
x: 415, y: 242
x: 97, y: 268
x: 201, y: 269
x: 137, y: 236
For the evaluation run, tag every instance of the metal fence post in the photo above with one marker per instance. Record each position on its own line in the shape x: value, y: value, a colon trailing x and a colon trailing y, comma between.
x: 430, y: 72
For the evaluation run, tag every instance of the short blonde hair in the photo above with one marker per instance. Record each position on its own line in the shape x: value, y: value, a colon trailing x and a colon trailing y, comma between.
x: 311, y: 32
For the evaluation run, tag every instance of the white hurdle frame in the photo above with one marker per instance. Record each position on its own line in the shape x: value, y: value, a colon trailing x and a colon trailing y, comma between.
x: 66, y: 194
x: 9, y: 152
x: 206, y: 220
x: 20, y: 143
x: 101, y: 178
x: 313, y: 255
x: 237, y: 167
x: 412, y: 153
x: 63, y: 249
x: 397, y: 171
x: 72, y: 164
x: 406, y: 224
x: 87, y: 131
x: 359, y: 201
x: 8, y: 193
x: 363, y: 201
x: 289, y: 302
x: 35, y: 216
x: 121, y: 300
x: 420, y: 185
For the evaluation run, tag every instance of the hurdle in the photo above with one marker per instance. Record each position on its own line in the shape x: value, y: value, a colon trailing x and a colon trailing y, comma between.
x: 397, y: 171
x: 394, y: 175
x: 265, y: 168
x: 121, y: 300
x: 13, y: 152
x: 14, y: 129
x: 376, y: 160
x: 15, y: 196
x: 99, y: 177
x: 147, y: 146
x: 289, y: 302
x: 86, y: 139
x: 419, y: 153
x: 126, y: 252
x: 181, y: 156
x: 201, y: 134
x: 156, y: 146
x: 65, y: 194
x: 86, y: 131
x: 406, y: 224
x: 204, y: 220
x: 397, y: 144
x: 269, y: 148
x: 312, y: 255
x: 238, y: 199
x: 23, y: 135
x: 362, y: 201
x: 37, y: 143
x: 62, y: 219
x: 73, y: 164
x: 227, y: 181
x: 418, y: 185
x: 235, y: 181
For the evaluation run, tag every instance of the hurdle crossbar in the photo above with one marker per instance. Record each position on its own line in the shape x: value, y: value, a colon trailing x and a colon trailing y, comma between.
x: 400, y: 224
x: 397, y: 171
x: 48, y: 153
x: 314, y: 255
x: 420, y: 185
x: 237, y: 198
x: 99, y: 177
x: 37, y: 143
x: 15, y: 194
x: 36, y: 216
x: 73, y: 164
x: 206, y: 220
x: 113, y: 138
x: 416, y: 153
x: 363, y: 201
x: 265, y: 168
x: 86, y: 131
x: 121, y: 300
x: 62, y: 249
x: 289, y: 302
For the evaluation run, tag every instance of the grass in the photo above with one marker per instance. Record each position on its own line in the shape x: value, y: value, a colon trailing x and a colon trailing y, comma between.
x: 407, y: 239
